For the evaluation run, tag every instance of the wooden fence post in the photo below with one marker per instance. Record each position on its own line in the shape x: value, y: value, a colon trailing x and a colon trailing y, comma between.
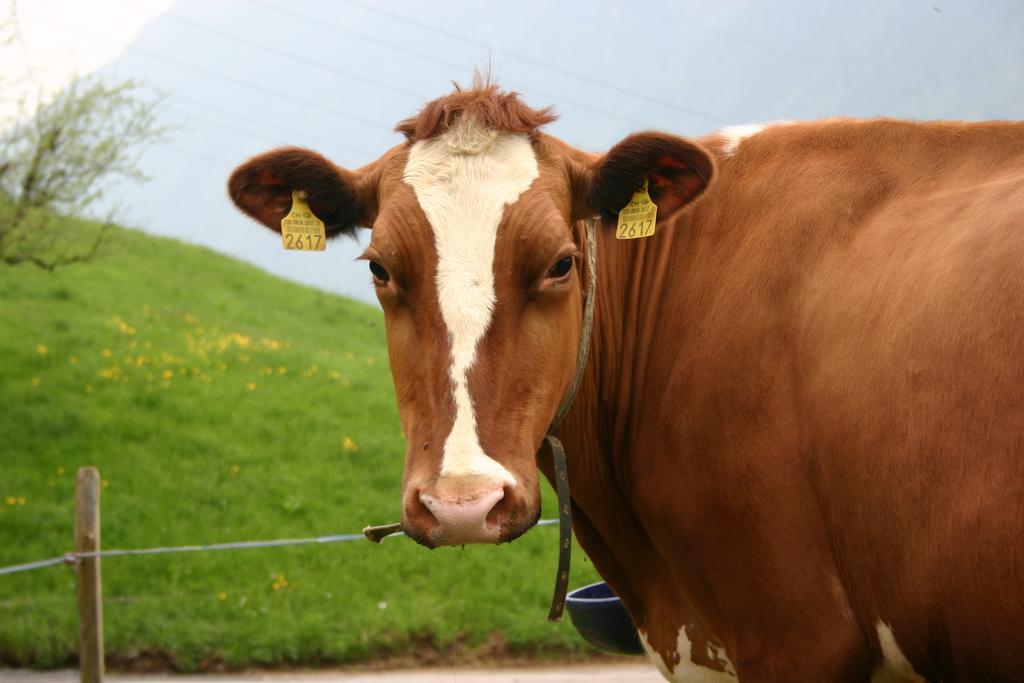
x: 90, y: 591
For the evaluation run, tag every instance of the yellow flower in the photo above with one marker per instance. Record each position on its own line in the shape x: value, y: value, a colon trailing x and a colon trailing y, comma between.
x: 120, y: 324
x: 73, y: 360
x: 21, y: 500
x: 41, y: 349
x: 279, y: 582
x: 106, y: 353
x: 234, y: 470
x: 11, y: 500
x: 168, y: 374
x: 104, y: 483
x: 281, y: 370
x: 234, y: 338
x: 60, y: 470
x: 35, y: 381
x: 222, y: 596
x: 349, y: 445
x: 251, y: 386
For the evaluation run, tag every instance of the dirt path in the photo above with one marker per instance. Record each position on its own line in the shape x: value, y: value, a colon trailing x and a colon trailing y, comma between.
x: 630, y: 673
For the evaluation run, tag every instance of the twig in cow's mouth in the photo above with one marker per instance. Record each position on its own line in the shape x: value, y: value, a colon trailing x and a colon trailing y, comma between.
x: 379, y: 533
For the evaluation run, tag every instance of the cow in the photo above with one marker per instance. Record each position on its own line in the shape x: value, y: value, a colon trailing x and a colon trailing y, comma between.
x: 797, y: 449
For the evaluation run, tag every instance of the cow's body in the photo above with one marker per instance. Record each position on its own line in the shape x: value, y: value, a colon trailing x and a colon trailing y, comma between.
x: 803, y: 420
x: 798, y: 449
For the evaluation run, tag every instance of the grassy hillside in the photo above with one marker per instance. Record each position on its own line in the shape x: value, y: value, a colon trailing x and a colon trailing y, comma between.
x: 221, y: 403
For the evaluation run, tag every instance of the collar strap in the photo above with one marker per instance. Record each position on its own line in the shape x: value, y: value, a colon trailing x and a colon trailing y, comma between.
x: 557, y: 451
x: 564, y: 528
x: 585, y: 333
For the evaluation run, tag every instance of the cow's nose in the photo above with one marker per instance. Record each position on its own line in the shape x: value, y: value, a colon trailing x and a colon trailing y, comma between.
x: 464, y: 509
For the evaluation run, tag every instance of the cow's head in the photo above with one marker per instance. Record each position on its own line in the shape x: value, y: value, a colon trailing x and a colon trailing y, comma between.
x: 476, y: 257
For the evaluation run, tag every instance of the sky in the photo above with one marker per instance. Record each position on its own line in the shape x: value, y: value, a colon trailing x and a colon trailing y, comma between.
x: 61, y: 38
x: 244, y: 76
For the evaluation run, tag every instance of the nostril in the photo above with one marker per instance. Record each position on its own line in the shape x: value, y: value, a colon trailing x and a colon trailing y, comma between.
x: 499, y: 512
x: 418, y: 512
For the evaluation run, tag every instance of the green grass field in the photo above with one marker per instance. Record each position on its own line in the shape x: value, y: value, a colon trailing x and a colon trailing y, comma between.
x: 221, y: 403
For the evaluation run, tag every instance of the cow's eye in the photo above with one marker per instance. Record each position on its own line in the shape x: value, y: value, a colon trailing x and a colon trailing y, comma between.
x: 380, y: 273
x: 561, y: 269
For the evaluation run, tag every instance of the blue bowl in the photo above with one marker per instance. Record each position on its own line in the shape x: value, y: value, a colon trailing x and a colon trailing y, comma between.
x: 602, y: 620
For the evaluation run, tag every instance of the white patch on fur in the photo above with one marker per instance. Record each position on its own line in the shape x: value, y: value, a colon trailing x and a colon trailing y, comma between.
x: 686, y: 671
x: 735, y: 135
x: 463, y: 180
x: 895, y: 668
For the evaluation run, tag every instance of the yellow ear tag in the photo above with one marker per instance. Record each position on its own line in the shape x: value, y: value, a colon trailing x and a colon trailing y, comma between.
x: 301, y: 229
x: 638, y: 218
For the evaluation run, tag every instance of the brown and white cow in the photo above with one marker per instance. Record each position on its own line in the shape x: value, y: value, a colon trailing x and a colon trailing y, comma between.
x: 798, y: 449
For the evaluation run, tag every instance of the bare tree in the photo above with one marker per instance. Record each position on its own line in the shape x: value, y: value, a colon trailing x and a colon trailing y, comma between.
x: 60, y: 155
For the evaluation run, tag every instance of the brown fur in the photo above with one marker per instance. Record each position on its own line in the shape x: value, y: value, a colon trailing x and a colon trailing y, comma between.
x: 802, y: 412
x: 485, y: 102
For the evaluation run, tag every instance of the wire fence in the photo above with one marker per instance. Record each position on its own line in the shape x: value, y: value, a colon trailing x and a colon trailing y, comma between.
x: 74, y: 558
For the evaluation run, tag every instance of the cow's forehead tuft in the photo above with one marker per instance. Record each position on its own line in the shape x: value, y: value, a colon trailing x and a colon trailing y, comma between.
x: 484, y: 102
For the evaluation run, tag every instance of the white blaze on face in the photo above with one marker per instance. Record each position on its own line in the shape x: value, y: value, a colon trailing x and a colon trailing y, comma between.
x: 685, y: 671
x: 463, y: 181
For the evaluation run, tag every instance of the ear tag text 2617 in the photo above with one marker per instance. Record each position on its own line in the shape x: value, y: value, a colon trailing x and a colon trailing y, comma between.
x: 301, y: 229
x: 638, y: 218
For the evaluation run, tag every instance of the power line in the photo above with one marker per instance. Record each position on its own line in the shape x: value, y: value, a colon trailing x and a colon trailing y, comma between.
x: 294, y: 57
x: 530, y: 60
x: 312, y: 104
x: 319, y: 21
x: 178, y: 149
x: 558, y: 99
x: 177, y: 63
x: 743, y: 38
x: 206, y: 105
x: 231, y: 129
x: 281, y: 131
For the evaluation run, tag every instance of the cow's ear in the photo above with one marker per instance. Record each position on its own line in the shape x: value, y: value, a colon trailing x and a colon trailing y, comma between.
x: 262, y: 187
x: 677, y: 172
